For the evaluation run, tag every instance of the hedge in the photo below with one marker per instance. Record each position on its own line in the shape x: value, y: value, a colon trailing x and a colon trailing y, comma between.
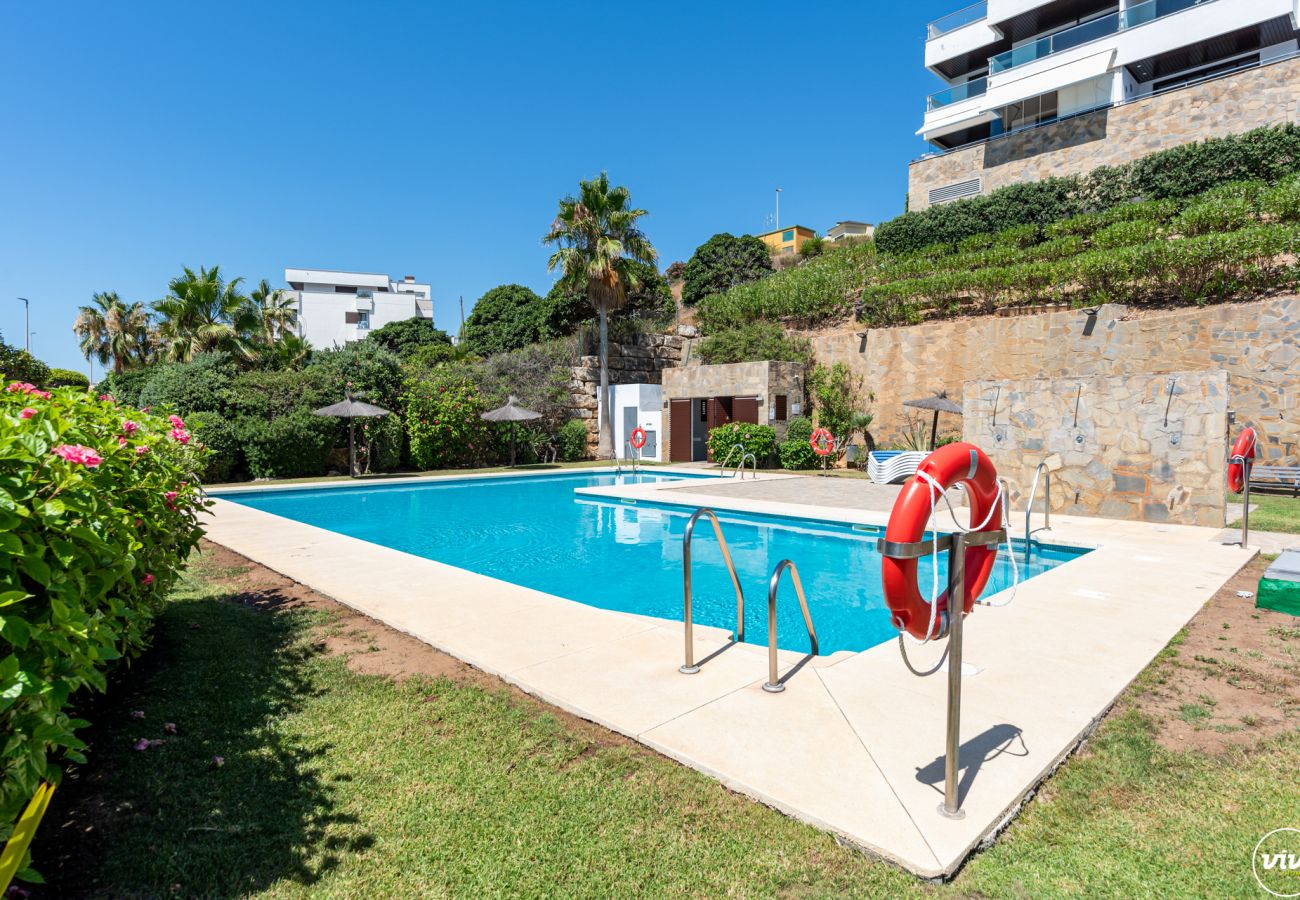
x: 1265, y: 154
x: 796, y: 450
x: 759, y: 440
x: 67, y: 378
x: 98, y: 512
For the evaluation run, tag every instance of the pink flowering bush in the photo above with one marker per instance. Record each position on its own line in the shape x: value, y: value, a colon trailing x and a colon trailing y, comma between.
x: 444, y: 420
x: 98, y: 512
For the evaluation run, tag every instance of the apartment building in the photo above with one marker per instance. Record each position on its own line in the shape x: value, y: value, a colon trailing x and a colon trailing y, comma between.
x: 1034, y: 89
x: 785, y: 241
x: 336, y: 308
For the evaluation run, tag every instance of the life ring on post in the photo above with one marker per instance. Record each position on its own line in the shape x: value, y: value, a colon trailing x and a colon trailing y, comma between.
x: 950, y: 465
x: 822, y: 442
x: 1242, y: 450
x: 638, y: 437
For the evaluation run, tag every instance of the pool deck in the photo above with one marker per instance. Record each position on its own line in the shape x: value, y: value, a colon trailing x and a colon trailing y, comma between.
x: 855, y: 743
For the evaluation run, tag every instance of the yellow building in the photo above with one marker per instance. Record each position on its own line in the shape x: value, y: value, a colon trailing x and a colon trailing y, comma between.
x: 787, y: 240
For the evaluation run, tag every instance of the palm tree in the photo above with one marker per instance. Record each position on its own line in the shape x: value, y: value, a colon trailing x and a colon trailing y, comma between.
x: 110, y: 329
x: 275, y: 310
x: 598, y: 241
x: 203, y: 312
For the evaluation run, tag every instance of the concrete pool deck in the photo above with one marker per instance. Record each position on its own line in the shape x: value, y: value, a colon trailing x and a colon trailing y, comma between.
x: 855, y: 743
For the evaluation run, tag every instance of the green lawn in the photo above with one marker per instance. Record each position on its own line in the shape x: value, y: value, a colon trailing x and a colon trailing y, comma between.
x: 341, y: 784
x: 1275, y: 512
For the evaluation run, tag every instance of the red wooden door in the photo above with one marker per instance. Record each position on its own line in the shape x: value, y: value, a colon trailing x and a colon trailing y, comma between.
x: 745, y: 409
x: 680, y: 414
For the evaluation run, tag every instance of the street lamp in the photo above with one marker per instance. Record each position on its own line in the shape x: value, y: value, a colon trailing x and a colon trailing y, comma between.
x: 778, y: 209
x: 27, y: 321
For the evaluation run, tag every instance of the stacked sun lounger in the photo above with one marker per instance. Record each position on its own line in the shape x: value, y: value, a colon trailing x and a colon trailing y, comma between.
x: 892, y: 466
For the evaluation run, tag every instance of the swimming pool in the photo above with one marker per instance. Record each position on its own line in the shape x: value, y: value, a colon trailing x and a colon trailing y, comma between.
x: 533, y: 531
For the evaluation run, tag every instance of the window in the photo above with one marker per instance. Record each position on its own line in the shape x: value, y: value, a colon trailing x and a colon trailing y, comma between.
x: 787, y: 235
x: 780, y: 407
x: 363, y: 321
x: 1027, y: 112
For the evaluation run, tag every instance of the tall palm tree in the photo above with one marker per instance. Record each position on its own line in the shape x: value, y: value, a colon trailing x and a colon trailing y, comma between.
x: 598, y: 240
x: 203, y: 312
x: 276, y: 310
x: 110, y: 329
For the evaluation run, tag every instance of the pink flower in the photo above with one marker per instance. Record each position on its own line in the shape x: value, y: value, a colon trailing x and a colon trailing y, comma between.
x: 108, y: 398
x: 121, y: 440
x: 129, y: 427
x: 78, y: 455
x: 142, y: 744
x: 44, y: 395
x: 180, y: 435
x: 218, y: 762
x: 148, y: 576
x: 27, y: 413
x: 146, y: 409
x: 170, y: 496
x: 21, y: 387
x: 141, y: 450
x: 177, y: 421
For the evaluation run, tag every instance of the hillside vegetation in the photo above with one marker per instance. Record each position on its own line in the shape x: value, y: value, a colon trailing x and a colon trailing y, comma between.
x: 1081, y: 245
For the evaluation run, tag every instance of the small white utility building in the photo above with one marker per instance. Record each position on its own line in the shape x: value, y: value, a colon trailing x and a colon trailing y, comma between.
x: 637, y: 405
x: 336, y: 308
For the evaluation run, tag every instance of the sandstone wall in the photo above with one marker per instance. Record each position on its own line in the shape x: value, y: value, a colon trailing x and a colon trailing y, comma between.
x: 1148, y: 447
x: 1256, y: 343
x: 1232, y: 104
x: 641, y: 362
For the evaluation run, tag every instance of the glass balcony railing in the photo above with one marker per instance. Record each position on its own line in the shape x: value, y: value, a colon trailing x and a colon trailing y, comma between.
x: 957, y: 93
x: 1139, y: 14
x: 955, y: 20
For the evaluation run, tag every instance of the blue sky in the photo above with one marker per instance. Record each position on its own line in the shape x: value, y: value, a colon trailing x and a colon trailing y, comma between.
x: 423, y: 139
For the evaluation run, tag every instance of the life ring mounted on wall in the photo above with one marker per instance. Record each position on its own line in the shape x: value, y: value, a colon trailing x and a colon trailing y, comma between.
x: 638, y: 437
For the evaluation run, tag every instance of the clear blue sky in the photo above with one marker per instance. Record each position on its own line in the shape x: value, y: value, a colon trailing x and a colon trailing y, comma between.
x: 425, y: 139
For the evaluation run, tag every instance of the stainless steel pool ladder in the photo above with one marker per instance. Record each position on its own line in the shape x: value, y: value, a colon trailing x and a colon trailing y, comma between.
x: 731, y: 453
x: 691, y: 667
x: 776, y: 684
x: 631, y: 455
x: 1047, y: 507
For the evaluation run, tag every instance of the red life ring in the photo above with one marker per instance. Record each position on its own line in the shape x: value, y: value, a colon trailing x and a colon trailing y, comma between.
x: 958, y: 463
x: 822, y: 442
x: 1243, y: 449
x: 638, y: 437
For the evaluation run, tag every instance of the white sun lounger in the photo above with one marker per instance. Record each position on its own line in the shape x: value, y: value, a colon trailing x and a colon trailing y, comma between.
x: 892, y: 466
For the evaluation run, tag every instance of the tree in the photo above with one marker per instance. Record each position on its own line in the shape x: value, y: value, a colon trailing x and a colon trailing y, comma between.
x: 405, y: 336
x: 111, y: 330
x: 598, y: 241
x: 204, y: 313
x: 19, y: 365
x: 566, y: 307
x: 722, y: 262
x: 505, y: 318
x: 276, y: 313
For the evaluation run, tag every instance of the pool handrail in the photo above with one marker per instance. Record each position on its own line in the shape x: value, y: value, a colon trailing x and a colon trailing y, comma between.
x: 1047, y: 507
x: 632, y: 455
x: 774, y: 684
x: 740, y: 470
x: 690, y: 668
x: 726, y: 459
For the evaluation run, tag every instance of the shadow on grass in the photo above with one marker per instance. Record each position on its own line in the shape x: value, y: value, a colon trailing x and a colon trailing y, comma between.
x: 232, y: 802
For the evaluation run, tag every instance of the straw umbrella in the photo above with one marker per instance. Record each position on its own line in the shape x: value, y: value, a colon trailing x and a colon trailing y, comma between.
x: 939, y: 403
x: 351, y: 409
x: 512, y: 412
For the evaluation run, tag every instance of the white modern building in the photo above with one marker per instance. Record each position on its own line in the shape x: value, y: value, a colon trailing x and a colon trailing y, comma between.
x: 1011, y: 65
x: 842, y: 231
x: 336, y: 308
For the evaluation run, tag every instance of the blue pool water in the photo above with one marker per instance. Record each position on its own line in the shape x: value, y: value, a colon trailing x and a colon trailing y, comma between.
x: 534, y: 531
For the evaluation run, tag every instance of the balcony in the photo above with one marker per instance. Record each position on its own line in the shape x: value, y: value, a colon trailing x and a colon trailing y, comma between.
x: 1139, y: 14
x: 954, y: 20
x: 974, y: 88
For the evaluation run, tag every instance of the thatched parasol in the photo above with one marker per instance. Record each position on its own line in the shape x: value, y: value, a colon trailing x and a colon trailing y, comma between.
x: 939, y: 403
x: 512, y: 412
x: 350, y: 409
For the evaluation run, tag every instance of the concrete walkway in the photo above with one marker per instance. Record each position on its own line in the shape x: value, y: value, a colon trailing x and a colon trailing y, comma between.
x: 831, y: 491
x: 855, y: 743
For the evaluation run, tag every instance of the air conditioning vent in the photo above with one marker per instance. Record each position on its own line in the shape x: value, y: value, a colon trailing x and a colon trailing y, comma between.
x: 957, y: 191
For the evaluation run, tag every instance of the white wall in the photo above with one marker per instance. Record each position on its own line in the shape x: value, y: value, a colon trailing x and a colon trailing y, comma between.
x: 648, y: 400
x: 322, y: 317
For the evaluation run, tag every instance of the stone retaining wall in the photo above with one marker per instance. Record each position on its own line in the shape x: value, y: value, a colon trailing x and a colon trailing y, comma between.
x: 1147, y: 447
x: 641, y: 362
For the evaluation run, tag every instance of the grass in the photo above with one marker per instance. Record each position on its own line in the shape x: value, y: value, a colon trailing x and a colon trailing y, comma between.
x: 1275, y: 512
x: 341, y: 784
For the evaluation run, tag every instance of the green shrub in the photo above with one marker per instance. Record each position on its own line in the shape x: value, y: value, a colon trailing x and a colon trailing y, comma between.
x: 126, y: 386
x: 571, y: 440
x: 1215, y: 214
x: 225, y: 454
x: 1080, y: 226
x: 505, y: 318
x: 1158, y: 211
x: 755, y: 341
x: 759, y: 440
x: 444, y: 422
x: 1249, y: 191
x: 975, y: 242
x: 1018, y: 237
x: 188, y: 386
x: 19, y: 365
x: 837, y: 395
x: 723, y: 262
x: 295, y: 445
x: 1283, y: 201
x: 813, y: 246
x: 67, y: 378
x: 97, y: 517
x: 1125, y: 234
x: 404, y: 336
x: 796, y: 450
x: 1029, y: 203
